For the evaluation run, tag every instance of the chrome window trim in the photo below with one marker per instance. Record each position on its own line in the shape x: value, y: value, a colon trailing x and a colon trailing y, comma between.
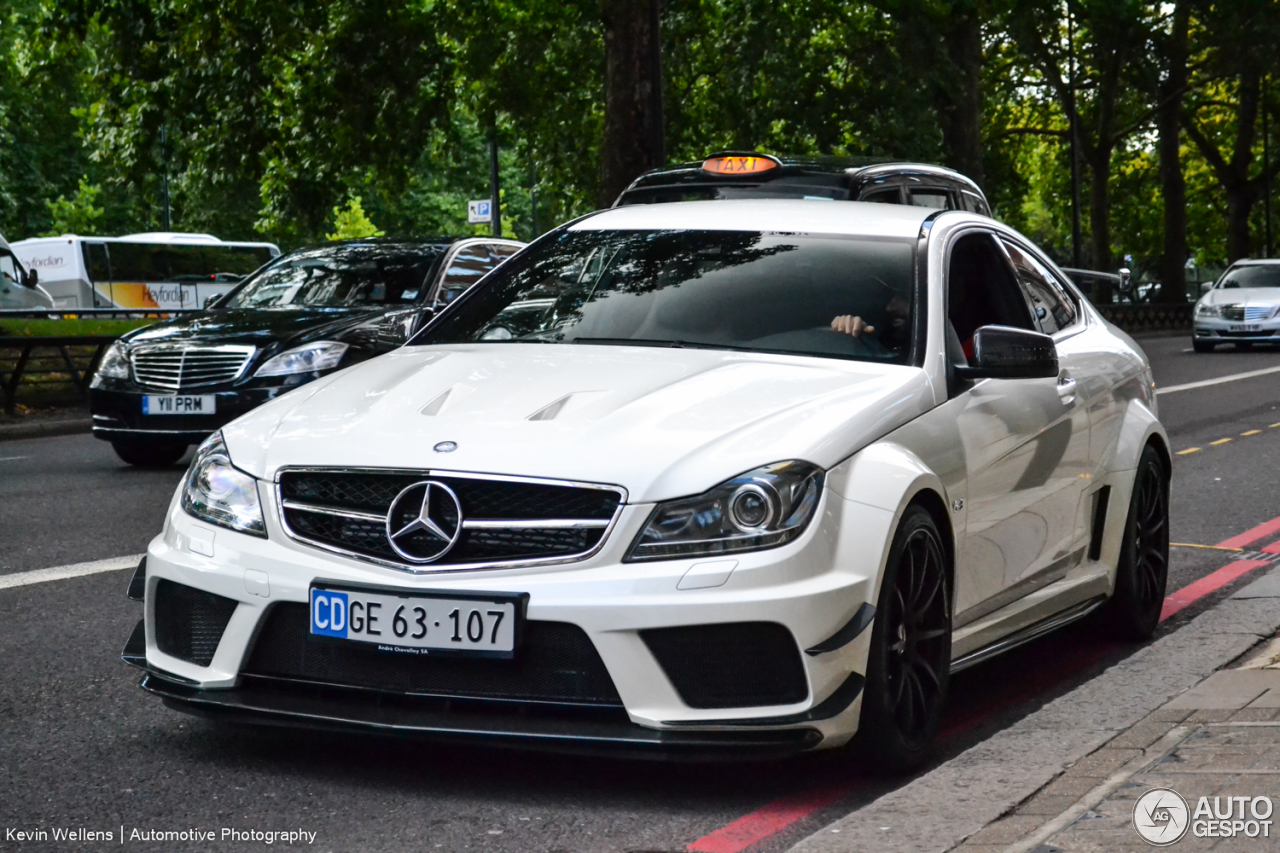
x: 432, y: 568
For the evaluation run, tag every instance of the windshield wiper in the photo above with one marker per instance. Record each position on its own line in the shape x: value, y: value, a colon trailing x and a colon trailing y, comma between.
x: 637, y: 342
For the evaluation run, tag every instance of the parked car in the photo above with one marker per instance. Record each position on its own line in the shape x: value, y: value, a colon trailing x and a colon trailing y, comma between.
x: 19, y: 287
x: 749, y: 484
x: 160, y: 269
x: 1242, y: 308
x: 163, y: 388
x: 731, y: 175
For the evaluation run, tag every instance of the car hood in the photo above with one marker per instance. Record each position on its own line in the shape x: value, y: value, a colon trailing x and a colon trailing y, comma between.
x: 1243, y: 296
x: 659, y: 422
x: 262, y: 328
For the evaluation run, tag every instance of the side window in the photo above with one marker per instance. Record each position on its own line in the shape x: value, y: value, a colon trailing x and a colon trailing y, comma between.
x: 9, y: 270
x: 887, y: 195
x: 466, y: 268
x: 1052, y: 308
x: 96, y: 262
x: 922, y: 197
x: 975, y: 203
x: 502, y: 251
x: 981, y: 291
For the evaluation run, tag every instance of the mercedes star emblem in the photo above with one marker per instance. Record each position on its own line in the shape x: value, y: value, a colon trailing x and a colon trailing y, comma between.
x: 424, y: 522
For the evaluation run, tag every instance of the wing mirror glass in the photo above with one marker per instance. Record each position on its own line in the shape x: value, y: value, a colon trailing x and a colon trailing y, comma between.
x: 399, y: 326
x: 31, y: 279
x: 211, y: 301
x: 1003, y: 352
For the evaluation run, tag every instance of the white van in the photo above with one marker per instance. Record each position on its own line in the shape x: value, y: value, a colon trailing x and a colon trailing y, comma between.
x: 158, y: 270
x: 19, y: 287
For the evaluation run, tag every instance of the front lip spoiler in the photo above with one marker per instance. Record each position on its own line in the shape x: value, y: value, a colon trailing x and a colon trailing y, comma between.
x: 336, y: 709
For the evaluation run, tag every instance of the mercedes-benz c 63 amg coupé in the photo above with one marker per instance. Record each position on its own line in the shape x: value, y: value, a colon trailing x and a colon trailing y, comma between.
x: 721, y: 478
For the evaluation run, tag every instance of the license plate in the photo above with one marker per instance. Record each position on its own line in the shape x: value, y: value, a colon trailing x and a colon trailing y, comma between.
x: 1245, y: 327
x: 419, y: 623
x: 180, y: 404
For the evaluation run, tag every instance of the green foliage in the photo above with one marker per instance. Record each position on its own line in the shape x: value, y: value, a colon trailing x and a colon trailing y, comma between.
x: 76, y: 215
x: 352, y: 223
x: 69, y: 327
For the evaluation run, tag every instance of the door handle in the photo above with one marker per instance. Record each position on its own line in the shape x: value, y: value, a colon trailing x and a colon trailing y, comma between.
x: 1067, y: 389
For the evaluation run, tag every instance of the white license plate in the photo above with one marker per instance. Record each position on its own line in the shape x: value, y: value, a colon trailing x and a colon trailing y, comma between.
x: 418, y: 623
x: 180, y: 404
x: 1245, y: 327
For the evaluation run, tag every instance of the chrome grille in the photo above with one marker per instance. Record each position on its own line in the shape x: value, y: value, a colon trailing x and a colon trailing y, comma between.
x: 1233, y: 312
x: 505, y: 520
x: 180, y: 367
x: 1258, y: 312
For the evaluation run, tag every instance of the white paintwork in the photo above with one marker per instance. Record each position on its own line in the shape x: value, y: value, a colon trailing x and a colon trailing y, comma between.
x: 1017, y: 464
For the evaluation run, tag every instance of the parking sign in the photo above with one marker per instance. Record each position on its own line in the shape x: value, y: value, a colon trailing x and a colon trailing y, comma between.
x: 479, y: 211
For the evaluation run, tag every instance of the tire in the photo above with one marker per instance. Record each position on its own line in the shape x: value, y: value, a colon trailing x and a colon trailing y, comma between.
x: 1201, y: 346
x: 908, y: 667
x: 1143, y: 573
x: 150, y: 453
x: 1244, y: 346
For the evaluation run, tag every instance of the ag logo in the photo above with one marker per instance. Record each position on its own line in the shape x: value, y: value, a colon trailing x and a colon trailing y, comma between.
x: 1161, y: 816
x: 424, y: 522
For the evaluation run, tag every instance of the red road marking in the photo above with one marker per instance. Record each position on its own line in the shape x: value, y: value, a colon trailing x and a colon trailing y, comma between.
x: 781, y: 813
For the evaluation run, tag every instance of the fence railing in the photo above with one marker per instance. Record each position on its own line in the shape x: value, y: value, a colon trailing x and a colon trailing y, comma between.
x: 45, y: 313
x: 1149, y: 317
x: 48, y: 361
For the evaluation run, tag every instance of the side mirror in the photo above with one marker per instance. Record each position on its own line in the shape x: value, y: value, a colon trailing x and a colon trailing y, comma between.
x: 211, y: 301
x: 399, y: 326
x: 31, y: 279
x: 1003, y: 352
x: 1205, y: 287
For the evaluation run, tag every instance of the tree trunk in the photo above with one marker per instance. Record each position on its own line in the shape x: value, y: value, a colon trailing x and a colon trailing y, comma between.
x: 633, y: 124
x: 1173, y: 186
x: 1242, y: 192
x: 960, y: 99
x: 1240, y: 200
x: 1100, y: 208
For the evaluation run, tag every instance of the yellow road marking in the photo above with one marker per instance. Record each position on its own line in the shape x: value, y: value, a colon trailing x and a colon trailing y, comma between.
x: 1220, y: 441
x: 1206, y: 547
x: 1188, y: 450
x: 1251, y: 432
x: 1273, y: 426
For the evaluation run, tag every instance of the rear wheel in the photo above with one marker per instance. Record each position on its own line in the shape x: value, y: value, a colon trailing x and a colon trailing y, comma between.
x: 908, y: 667
x: 1201, y: 346
x: 150, y: 452
x: 1134, y: 609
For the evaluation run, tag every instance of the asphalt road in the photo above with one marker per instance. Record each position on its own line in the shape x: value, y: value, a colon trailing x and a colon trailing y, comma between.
x: 82, y: 747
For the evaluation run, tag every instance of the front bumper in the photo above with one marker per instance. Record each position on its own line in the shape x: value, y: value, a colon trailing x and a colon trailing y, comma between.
x: 117, y: 413
x: 1228, y: 331
x: 813, y: 587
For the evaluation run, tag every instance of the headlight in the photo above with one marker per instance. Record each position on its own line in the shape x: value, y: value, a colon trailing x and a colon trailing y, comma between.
x: 217, y: 492
x: 308, y: 358
x: 1207, y: 309
x: 764, y: 508
x: 115, y: 364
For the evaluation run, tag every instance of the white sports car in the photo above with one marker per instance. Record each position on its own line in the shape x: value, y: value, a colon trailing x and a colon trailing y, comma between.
x: 721, y: 478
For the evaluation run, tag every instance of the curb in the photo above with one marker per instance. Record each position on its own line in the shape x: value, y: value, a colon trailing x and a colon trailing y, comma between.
x: 40, y: 429
x: 938, y: 811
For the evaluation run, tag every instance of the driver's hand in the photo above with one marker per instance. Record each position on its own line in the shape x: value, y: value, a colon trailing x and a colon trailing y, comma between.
x: 851, y: 325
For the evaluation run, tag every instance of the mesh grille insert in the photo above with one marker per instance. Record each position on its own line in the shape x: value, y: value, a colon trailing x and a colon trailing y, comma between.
x: 190, y: 622
x: 734, y: 665
x: 556, y: 662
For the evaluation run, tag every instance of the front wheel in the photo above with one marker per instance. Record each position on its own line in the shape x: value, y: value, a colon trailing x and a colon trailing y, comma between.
x: 909, y: 664
x: 1201, y: 346
x: 1143, y: 571
x: 150, y: 453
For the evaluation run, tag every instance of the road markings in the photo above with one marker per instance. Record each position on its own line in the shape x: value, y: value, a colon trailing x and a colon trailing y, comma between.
x: 1251, y: 432
x: 75, y: 570
x: 1204, y: 383
x: 1188, y: 450
x: 1208, y: 547
x: 10, y: 458
x: 1219, y: 441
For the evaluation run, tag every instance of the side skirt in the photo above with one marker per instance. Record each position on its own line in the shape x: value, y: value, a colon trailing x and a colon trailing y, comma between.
x: 1058, y: 620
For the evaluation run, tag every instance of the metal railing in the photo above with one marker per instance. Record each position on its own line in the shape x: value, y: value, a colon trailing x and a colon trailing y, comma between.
x: 125, y: 313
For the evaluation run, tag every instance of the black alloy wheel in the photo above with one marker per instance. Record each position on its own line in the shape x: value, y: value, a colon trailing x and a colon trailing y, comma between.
x: 150, y: 452
x: 909, y: 663
x: 1143, y: 572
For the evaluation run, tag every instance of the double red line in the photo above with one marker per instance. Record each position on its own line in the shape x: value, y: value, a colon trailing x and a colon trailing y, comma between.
x: 781, y: 813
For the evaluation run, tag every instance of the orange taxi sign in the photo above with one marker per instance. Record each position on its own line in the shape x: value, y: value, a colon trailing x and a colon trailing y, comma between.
x: 739, y: 164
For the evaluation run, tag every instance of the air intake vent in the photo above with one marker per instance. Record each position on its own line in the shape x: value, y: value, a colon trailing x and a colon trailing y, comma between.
x: 735, y: 665
x: 179, y: 367
x: 190, y: 622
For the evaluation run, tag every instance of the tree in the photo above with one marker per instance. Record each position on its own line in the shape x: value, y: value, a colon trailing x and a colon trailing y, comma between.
x: 633, y: 123
x: 76, y: 215
x: 352, y: 223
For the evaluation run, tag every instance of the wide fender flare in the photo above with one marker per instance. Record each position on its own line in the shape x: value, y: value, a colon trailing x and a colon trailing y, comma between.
x: 1138, y: 427
x: 889, y: 477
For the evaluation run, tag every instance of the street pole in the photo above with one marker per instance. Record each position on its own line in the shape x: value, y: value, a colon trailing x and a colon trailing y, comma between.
x: 1266, y: 160
x: 495, y: 189
x: 1073, y: 118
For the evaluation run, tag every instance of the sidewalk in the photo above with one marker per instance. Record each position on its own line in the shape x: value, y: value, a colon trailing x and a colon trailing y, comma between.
x: 1066, y: 778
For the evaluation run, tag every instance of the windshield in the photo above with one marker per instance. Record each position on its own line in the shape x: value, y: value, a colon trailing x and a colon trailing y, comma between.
x: 340, y: 277
x: 1263, y: 275
x: 769, y: 292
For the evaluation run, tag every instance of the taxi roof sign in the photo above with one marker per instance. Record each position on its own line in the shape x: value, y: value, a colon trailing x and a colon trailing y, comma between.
x: 730, y: 163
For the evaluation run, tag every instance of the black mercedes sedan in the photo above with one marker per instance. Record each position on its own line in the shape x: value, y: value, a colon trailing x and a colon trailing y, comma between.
x: 165, y: 387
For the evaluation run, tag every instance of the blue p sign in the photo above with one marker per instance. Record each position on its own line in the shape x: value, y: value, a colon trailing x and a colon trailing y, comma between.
x: 328, y: 613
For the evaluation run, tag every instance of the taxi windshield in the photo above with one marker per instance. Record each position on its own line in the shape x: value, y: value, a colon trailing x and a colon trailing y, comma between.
x: 736, y: 290
x: 340, y: 277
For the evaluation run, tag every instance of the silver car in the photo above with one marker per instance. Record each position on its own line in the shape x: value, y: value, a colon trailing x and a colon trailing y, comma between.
x: 1242, y: 308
